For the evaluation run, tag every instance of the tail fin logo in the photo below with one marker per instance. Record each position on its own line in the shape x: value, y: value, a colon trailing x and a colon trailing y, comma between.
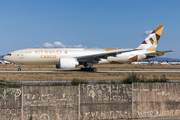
x: 151, y: 42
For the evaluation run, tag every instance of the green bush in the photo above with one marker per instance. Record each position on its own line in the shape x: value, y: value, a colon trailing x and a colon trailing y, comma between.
x: 76, y: 82
x: 135, y: 78
x: 31, y: 117
x: 155, y: 79
x: 164, y: 79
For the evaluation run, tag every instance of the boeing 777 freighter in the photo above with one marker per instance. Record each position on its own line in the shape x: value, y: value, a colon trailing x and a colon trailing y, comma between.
x: 71, y: 58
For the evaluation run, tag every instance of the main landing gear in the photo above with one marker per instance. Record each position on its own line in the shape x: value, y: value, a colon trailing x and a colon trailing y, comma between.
x: 89, y: 69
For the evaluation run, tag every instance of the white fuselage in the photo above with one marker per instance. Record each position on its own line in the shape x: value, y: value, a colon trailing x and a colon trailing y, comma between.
x: 71, y: 58
x: 52, y: 56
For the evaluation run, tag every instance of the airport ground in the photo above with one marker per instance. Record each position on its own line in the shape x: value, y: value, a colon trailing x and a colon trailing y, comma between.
x: 62, y: 76
x: 165, y: 118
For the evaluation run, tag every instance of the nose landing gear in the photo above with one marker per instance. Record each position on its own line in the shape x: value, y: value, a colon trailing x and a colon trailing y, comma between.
x: 19, y: 68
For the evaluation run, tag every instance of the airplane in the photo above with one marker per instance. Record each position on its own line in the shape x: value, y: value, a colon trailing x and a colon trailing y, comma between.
x: 71, y: 58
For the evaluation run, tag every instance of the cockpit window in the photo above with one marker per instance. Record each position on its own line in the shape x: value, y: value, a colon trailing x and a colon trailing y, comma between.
x: 8, y: 54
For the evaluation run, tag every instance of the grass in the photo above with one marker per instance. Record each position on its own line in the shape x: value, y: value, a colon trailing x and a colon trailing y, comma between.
x: 5, y: 84
x: 85, y: 76
x: 133, y: 77
x: 76, y: 82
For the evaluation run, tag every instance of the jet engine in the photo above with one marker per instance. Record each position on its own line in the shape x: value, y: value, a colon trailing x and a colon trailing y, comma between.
x: 67, y: 63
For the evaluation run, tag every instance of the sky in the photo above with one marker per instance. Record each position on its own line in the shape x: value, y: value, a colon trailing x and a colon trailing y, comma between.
x: 87, y: 24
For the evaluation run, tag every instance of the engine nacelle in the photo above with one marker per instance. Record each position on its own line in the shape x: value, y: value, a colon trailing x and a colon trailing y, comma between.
x: 67, y: 63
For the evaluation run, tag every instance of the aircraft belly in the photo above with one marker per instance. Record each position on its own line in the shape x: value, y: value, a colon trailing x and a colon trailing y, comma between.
x: 120, y: 59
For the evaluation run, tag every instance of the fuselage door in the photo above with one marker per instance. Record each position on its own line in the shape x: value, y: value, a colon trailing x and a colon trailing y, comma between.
x: 21, y: 55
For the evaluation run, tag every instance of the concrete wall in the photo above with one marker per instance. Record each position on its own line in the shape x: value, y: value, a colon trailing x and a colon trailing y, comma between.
x: 156, y: 100
x: 105, y: 101
x: 90, y: 101
x: 10, y: 103
x: 50, y: 102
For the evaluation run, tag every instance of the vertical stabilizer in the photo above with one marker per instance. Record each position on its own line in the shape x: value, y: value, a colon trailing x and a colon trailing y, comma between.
x: 151, y: 42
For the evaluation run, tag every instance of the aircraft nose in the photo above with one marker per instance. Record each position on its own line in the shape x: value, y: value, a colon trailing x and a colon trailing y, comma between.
x: 7, y: 58
x: 4, y: 58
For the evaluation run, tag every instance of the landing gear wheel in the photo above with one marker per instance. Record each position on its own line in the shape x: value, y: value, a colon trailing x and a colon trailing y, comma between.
x: 85, y: 69
x: 19, y: 69
x: 94, y: 69
x: 89, y: 69
x: 82, y: 69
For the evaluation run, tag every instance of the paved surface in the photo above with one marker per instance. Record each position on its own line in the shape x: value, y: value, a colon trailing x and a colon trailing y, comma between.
x: 107, y: 67
x: 130, y: 71
x: 78, y: 71
x: 170, y: 118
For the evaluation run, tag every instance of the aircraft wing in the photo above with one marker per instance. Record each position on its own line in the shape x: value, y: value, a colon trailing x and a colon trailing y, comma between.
x: 97, y: 57
x: 158, y: 53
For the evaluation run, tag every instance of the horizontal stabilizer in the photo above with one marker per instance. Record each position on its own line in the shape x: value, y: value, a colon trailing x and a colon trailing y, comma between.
x: 158, y: 53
